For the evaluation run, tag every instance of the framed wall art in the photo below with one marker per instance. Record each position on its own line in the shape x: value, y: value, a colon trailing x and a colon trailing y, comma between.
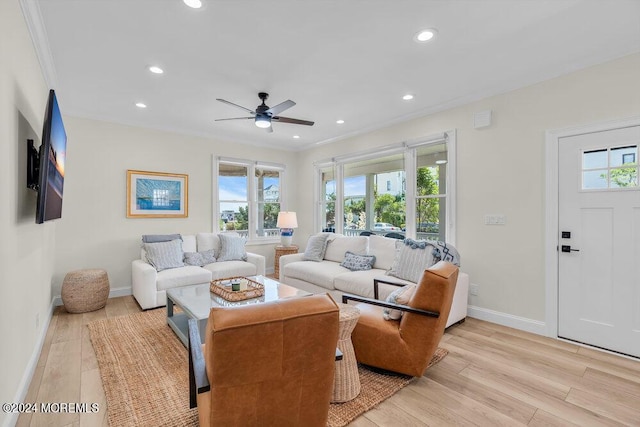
x: 157, y: 195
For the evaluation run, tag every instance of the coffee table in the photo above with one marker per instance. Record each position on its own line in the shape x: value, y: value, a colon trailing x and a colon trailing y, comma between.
x: 196, y: 301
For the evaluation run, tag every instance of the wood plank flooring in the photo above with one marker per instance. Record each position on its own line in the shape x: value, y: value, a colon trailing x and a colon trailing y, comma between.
x: 493, y: 376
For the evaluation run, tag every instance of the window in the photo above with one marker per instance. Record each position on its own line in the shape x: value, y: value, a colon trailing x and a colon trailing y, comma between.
x: 370, y: 192
x: 610, y: 168
x: 249, y: 206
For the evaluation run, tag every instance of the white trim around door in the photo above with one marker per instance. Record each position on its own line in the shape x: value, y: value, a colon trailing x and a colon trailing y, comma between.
x: 551, y: 210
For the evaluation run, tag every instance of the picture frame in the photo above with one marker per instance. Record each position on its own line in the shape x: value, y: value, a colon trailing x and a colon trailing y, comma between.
x: 157, y: 194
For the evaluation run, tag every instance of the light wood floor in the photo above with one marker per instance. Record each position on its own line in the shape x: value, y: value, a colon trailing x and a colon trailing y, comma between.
x: 493, y: 376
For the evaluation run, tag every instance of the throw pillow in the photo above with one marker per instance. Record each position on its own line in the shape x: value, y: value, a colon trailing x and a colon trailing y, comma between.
x: 165, y: 255
x: 399, y: 296
x: 316, y: 245
x: 412, y: 258
x: 199, y: 258
x: 355, y: 262
x: 232, y: 248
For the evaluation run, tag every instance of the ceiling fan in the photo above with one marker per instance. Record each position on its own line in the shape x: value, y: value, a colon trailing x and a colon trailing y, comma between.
x: 264, y: 115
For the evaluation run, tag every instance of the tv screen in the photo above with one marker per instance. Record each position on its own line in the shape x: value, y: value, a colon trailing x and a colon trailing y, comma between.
x: 53, y: 152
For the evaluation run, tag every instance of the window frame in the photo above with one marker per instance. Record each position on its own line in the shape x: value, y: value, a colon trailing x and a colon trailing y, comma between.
x: 252, y: 195
x: 410, y: 150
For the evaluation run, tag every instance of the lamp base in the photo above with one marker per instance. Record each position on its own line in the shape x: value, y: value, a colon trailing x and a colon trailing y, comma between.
x: 286, y: 240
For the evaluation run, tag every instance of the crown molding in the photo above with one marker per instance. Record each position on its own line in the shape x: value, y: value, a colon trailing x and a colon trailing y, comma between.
x: 38, y: 32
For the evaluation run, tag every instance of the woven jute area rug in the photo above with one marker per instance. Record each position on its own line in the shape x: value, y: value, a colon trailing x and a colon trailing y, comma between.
x: 144, y: 370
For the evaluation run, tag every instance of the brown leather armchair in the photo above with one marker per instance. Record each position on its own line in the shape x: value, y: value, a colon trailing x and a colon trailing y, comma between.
x: 406, y: 345
x: 268, y: 364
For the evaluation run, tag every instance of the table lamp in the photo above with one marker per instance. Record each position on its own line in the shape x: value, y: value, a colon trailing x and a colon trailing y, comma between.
x: 287, y: 221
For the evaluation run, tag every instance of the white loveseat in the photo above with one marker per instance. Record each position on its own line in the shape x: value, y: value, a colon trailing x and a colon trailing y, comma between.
x: 150, y: 286
x: 329, y: 276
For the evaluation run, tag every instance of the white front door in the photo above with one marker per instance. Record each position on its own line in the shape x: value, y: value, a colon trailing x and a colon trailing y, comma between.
x: 599, y: 261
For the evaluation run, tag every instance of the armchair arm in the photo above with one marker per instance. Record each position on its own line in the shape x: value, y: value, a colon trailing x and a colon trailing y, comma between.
x: 375, y: 286
x: 143, y: 283
x: 258, y: 261
x: 198, y: 381
x: 406, y: 308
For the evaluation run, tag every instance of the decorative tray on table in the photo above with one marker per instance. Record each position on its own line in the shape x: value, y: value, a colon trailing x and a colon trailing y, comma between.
x: 247, y: 288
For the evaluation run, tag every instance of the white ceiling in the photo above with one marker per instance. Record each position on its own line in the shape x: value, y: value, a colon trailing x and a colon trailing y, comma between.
x: 343, y: 59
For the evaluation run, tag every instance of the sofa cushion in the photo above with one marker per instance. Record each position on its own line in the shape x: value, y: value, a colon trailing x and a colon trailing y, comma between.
x: 164, y: 255
x: 316, y: 246
x: 319, y: 273
x: 221, y: 270
x: 182, y: 276
x: 336, y: 248
x: 355, y: 262
x: 232, y: 248
x: 199, y: 258
x: 189, y: 243
x: 357, y: 282
x: 384, y: 248
x: 412, y: 258
x: 399, y: 296
x: 207, y: 241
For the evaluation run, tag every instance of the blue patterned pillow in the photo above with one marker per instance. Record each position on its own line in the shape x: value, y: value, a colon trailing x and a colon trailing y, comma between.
x: 355, y: 262
x: 199, y: 259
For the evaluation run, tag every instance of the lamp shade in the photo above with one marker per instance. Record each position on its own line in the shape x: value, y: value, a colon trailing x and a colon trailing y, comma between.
x: 287, y: 220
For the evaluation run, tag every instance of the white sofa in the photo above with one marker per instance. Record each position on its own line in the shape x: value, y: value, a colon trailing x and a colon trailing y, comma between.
x: 328, y: 276
x: 150, y: 286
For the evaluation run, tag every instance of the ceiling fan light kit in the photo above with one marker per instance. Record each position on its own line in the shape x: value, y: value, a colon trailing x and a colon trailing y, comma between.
x: 264, y: 115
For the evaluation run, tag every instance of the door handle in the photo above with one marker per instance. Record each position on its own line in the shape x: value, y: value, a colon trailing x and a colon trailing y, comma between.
x: 567, y: 248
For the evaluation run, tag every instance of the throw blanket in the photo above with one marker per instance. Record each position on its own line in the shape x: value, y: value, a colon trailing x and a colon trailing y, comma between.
x: 441, y: 250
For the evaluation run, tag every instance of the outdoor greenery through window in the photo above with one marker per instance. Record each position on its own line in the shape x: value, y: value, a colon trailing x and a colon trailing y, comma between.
x: 610, y: 168
x: 374, y: 193
x: 249, y: 206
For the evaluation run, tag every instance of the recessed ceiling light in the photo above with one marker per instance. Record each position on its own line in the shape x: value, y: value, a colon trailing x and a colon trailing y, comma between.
x: 156, y: 70
x: 196, y: 4
x: 424, y: 36
x: 296, y: 136
x: 340, y: 121
x: 141, y: 105
x: 408, y: 97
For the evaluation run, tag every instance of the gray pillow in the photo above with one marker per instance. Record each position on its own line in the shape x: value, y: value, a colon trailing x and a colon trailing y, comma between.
x: 355, y: 262
x: 232, y: 248
x: 155, y: 238
x: 412, y: 258
x: 316, y: 246
x: 165, y: 255
x: 199, y: 258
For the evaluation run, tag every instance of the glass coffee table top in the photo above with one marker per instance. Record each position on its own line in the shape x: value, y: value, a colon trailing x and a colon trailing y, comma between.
x: 196, y: 302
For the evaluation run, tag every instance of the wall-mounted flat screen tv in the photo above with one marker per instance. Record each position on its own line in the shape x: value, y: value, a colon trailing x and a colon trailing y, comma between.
x: 53, y: 151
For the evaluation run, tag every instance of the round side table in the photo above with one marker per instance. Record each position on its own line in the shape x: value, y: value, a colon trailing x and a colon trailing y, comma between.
x: 282, y: 250
x: 346, y: 385
x: 85, y: 290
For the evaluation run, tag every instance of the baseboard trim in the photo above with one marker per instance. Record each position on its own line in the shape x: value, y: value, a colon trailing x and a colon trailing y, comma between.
x: 113, y: 293
x: 505, y: 319
x: 25, y: 382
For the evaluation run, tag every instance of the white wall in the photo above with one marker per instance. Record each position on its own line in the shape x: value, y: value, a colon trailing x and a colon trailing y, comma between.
x: 94, y: 231
x: 501, y: 170
x: 26, y: 257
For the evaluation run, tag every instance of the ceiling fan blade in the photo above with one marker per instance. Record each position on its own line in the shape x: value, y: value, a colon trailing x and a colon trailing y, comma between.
x: 235, y: 105
x: 292, y: 121
x: 235, y: 118
x: 280, y: 107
